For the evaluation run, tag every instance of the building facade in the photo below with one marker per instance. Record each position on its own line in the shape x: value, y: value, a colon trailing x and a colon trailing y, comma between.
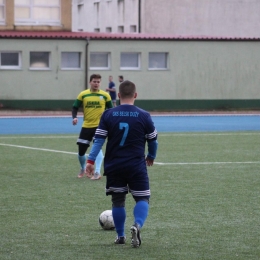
x: 47, y: 15
x: 43, y: 65
x: 213, y: 18
x: 43, y: 70
x: 107, y: 16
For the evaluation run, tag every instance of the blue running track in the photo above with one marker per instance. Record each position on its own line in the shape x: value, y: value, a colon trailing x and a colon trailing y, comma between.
x: 186, y: 123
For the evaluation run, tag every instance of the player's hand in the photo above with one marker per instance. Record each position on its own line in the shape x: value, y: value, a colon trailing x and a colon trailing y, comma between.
x: 74, y: 121
x: 90, y: 169
x: 149, y: 161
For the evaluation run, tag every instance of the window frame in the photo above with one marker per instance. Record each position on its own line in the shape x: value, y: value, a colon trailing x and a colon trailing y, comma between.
x: 37, y: 21
x: 18, y: 67
x: 71, y: 68
x: 167, y: 60
x: 131, y: 68
x: 40, y: 68
x: 101, y: 68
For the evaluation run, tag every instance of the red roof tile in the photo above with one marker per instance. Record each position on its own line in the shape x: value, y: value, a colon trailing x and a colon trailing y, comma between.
x: 111, y: 36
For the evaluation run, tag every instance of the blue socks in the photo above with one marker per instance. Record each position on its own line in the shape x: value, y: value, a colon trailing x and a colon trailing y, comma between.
x: 98, y: 161
x: 82, y: 161
x: 141, y: 212
x: 119, y: 216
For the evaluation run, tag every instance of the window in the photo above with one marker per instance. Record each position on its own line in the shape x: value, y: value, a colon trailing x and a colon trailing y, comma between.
x: 99, y: 61
x: 40, y: 60
x: 10, y: 60
x: 120, y: 29
x: 70, y: 60
x: 121, y: 12
x: 132, y: 28
x: 158, y: 61
x: 80, y: 17
x: 130, y: 61
x: 96, y: 30
x: 37, y: 12
x: 108, y: 29
x: 2, y: 11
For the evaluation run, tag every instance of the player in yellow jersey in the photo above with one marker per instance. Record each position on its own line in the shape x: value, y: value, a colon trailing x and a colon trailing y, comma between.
x: 94, y: 102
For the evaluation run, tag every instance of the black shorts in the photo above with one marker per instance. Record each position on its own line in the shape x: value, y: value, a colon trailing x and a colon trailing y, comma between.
x: 86, y: 136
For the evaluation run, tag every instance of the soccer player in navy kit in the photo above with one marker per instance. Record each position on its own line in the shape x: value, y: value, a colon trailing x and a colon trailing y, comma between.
x: 127, y: 129
x: 112, y: 90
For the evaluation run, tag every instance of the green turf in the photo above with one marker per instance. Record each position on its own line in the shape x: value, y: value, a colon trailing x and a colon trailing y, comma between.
x: 204, y: 204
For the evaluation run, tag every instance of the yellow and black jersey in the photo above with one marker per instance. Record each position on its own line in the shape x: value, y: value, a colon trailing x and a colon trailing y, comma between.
x: 94, y: 104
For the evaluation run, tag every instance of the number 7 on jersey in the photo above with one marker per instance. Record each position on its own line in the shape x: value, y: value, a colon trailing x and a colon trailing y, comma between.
x: 124, y: 126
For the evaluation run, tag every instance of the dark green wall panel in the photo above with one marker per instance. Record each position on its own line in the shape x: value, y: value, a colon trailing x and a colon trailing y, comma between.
x: 150, y: 105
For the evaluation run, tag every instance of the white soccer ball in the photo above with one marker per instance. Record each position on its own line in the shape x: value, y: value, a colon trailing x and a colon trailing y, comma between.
x: 106, y: 220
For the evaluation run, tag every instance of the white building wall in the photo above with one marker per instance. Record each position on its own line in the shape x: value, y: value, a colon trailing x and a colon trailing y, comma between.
x: 105, y: 16
x: 226, y: 18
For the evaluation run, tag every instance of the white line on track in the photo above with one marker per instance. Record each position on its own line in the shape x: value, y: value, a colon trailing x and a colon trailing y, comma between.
x: 159, y: 134
x: 157, y: 163
x: 153, y: 115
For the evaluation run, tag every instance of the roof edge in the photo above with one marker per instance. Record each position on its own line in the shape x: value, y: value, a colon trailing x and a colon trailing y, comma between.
x: 114, y: 36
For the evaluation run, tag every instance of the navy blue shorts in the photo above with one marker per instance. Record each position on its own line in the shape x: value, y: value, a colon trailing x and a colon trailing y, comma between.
x: 137, y: 183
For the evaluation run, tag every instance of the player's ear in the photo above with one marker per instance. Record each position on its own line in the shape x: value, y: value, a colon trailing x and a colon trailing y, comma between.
x: 118, y: 94
x: 135, y: 95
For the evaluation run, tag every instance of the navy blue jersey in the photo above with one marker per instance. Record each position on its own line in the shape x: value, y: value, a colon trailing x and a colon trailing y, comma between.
x: 127, y: 129
x: 112, y: 85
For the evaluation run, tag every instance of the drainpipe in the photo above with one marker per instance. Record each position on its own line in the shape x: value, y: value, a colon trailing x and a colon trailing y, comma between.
x: 139, y: 16
x: 86, y: 63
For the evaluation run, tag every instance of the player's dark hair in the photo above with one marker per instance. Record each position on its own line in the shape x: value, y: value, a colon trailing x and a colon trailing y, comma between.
x: 121, y: 77
x: 94, y: 76
x: 127, y: 89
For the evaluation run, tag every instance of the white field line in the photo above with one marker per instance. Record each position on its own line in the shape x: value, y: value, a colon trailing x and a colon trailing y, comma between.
x: 39, y: 137
x: 205, y: 163
x: 38, y: 149
x: 207, y: 134
x: 158, y: 163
